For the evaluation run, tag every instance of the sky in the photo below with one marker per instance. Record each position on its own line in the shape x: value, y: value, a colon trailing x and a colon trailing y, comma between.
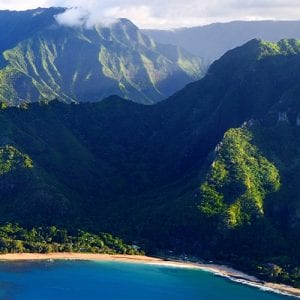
x: 165, y: 14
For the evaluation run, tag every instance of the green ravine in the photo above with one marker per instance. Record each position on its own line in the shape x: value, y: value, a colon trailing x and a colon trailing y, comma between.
x: 212, y: 171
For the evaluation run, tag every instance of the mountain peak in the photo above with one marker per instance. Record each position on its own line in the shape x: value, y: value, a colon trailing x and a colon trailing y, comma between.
x: 262, y: 48
x: 254, y: 50
x: 124, y: 21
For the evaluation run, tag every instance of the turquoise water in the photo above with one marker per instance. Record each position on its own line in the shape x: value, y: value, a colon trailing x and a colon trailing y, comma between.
x: 113, y: 280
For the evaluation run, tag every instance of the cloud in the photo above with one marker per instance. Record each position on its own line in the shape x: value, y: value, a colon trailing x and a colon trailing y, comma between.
x: 82, y: 17
x: 73, y: 17
x: 164, y: 14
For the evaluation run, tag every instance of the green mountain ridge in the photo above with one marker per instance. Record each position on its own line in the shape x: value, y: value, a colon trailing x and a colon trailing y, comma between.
x: 74, y: 64
x: 212, y: 170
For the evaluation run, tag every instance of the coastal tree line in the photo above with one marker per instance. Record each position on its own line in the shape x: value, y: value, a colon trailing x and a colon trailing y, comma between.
x: 16, y: 239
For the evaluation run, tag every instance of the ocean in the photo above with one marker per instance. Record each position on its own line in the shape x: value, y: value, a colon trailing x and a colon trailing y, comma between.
x: 74, y: 280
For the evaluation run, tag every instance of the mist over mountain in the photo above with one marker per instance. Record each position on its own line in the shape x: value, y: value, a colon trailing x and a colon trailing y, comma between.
x: 212, y: 41
x: 43, y: 60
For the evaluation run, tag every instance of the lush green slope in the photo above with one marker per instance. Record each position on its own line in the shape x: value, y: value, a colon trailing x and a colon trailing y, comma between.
x: 251, y: 205
x: 76, y: 64
x: 238, y: 181
x: 174, y: 175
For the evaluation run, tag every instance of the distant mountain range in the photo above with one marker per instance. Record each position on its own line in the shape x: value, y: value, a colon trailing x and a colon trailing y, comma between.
x: 212, y: 41
x: 212, y: 171
x: 43, y: 60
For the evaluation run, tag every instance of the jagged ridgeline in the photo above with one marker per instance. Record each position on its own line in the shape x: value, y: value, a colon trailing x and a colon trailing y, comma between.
x: 87, y: 64
x: 186, y: 174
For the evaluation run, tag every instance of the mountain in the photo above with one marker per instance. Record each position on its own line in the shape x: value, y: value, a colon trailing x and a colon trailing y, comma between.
x: 73, y: 64
x: 211, y: 171
x: 212, y: 41
x: 16, y: 26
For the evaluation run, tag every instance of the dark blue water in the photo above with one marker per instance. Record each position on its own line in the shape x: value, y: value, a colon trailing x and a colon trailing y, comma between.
x: 111, y: 280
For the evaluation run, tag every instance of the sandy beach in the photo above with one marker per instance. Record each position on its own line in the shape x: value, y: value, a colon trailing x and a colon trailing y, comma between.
x: 219, y: 270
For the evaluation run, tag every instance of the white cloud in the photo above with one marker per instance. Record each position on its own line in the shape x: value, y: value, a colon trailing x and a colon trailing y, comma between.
x: 73, y: 17
x: 83, y: 17
x: 165, y: 14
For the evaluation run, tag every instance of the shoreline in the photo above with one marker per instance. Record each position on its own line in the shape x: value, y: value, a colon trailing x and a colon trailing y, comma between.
x: 219, y: 270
